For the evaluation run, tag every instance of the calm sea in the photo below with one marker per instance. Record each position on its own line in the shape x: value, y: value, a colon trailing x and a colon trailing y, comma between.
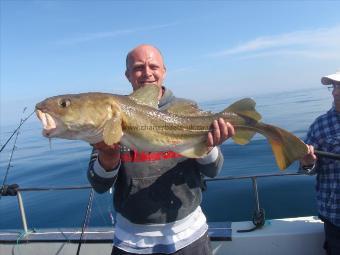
x: 36, y: 164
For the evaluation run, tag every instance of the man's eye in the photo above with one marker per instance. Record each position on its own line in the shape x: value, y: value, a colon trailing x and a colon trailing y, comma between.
x: 138, y: 68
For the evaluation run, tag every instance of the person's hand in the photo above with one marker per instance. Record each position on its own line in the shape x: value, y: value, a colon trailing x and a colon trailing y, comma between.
x: 310, y: 158
x: 221, y: 131
x: 108, y: 155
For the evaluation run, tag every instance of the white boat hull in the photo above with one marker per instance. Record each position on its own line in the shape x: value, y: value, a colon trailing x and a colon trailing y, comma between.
x: 293, y: 236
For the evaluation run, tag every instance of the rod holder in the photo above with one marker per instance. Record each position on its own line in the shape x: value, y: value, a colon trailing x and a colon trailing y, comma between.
x: 22, y: 212
x: 256, y: 193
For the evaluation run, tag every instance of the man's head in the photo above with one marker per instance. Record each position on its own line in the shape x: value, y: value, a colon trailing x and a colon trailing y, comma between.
x: 144, y: 65
x: 334, y: 81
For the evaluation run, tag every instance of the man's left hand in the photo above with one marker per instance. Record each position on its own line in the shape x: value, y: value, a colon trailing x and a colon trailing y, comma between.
x: 221, y: 131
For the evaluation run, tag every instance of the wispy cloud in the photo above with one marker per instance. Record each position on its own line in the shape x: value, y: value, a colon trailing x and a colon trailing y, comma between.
x: 325, y: 54
x: 181, y: 70
x: 319, y: 43
x: 110, y: 34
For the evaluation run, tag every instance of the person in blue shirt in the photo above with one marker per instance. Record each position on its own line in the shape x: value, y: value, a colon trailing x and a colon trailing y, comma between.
x: 324, y: 135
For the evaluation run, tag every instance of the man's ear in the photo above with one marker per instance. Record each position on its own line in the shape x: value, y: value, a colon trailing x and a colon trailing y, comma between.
x: 127, y: 75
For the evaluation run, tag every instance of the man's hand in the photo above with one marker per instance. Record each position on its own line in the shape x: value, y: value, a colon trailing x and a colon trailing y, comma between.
x: 221, y: 131
x: 108, y: 155
x: 310, y: 158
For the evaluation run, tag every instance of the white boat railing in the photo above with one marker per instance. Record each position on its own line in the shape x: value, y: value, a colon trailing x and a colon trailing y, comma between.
x: 258, y: 217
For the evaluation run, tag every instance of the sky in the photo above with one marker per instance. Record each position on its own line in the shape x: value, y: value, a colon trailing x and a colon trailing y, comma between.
x: 212, y: 49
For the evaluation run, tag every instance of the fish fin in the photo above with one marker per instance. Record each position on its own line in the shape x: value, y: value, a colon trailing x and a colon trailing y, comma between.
x: 185, y: 108
x: 286, y: 146
x: 113, y: 130
x: 243, y: 136
x: 147, y: 95
x: 245, y: 107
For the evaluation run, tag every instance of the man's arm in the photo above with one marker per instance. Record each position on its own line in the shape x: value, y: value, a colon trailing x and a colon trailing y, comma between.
x: 308, y: 162
x: 211, y: 164
x: 103, y: 166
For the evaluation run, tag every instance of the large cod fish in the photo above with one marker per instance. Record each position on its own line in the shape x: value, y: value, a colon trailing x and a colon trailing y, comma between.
x: 135, y: 121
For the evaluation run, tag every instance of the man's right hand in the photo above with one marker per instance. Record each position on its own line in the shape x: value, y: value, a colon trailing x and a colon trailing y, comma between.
x: 108, y: 155
x: 310, y: 158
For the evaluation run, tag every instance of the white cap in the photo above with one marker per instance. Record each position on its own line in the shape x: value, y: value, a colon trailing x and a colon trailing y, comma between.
x: 327, y: 80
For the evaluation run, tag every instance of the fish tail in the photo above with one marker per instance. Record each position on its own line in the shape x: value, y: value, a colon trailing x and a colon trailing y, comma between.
x: 286, y: 147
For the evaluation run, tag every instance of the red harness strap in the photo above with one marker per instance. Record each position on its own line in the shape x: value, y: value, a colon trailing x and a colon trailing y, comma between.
x: 136, y: 156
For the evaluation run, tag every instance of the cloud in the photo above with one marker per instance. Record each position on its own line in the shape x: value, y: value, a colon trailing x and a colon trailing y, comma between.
x: 182, y: 70
x: 105, y: 35
x: 319, y: 43
x: 325, y: 54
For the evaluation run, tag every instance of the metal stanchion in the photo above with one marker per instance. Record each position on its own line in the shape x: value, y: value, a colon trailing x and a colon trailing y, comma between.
x: 22, y: 212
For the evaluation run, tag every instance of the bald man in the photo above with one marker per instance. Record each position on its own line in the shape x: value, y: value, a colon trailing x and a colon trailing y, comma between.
x: 157, y: 195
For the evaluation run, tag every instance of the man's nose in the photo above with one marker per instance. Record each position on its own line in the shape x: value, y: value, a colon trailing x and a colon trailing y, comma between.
x: 147, y: 71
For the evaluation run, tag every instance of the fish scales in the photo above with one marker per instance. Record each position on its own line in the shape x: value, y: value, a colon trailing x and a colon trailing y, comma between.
x: 136, y: 121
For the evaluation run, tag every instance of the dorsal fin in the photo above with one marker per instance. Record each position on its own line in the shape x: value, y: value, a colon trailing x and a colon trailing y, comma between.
x: 245, y: 107
x: 147, y: 95
x: 185, y: 108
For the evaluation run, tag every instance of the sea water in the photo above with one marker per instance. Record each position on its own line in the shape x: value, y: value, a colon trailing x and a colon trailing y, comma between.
x: 36, y: 164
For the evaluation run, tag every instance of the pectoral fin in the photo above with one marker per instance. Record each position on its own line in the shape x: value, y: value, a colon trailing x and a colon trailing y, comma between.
x: 113, y: 130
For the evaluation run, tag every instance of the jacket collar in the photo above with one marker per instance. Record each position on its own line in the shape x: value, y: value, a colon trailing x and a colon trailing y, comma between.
x: 167, y: 97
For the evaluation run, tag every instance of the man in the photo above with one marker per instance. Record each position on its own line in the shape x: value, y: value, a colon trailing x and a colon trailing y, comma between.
x: 157, y: 194
x: 324, y: 135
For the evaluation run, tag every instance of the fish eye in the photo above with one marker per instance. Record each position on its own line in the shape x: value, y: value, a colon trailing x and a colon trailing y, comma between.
x: 64, y: 103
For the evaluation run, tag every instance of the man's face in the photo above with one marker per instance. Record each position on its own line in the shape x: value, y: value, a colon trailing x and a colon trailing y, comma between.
x: 145, y: 66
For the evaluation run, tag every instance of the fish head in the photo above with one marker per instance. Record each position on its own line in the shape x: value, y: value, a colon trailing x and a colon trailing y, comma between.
x: 76, y: 116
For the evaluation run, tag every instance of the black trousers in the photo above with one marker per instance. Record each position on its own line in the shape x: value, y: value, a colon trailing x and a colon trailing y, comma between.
x: 201, y: 246
x: 332, y: 238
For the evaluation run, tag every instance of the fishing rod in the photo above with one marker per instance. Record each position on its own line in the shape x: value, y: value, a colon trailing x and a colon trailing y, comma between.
x: 16, y: 131
x: 86, y: 219
x: 8, y: 166
x: 327, y: 154
x: 22, y: 121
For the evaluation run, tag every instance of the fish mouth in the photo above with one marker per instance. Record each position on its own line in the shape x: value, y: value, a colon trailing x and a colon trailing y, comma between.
x: 48, y: 122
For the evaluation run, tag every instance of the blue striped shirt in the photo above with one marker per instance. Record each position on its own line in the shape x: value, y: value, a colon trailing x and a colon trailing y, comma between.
x: 324, y: 135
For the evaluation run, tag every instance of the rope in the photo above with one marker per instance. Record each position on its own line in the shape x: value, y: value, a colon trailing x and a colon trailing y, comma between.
x: 21, y: 236
x: 258, y: 221
x: 55, y: 188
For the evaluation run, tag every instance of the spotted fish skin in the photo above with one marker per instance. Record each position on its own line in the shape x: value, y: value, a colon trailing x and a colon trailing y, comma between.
x: 135, y: 121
